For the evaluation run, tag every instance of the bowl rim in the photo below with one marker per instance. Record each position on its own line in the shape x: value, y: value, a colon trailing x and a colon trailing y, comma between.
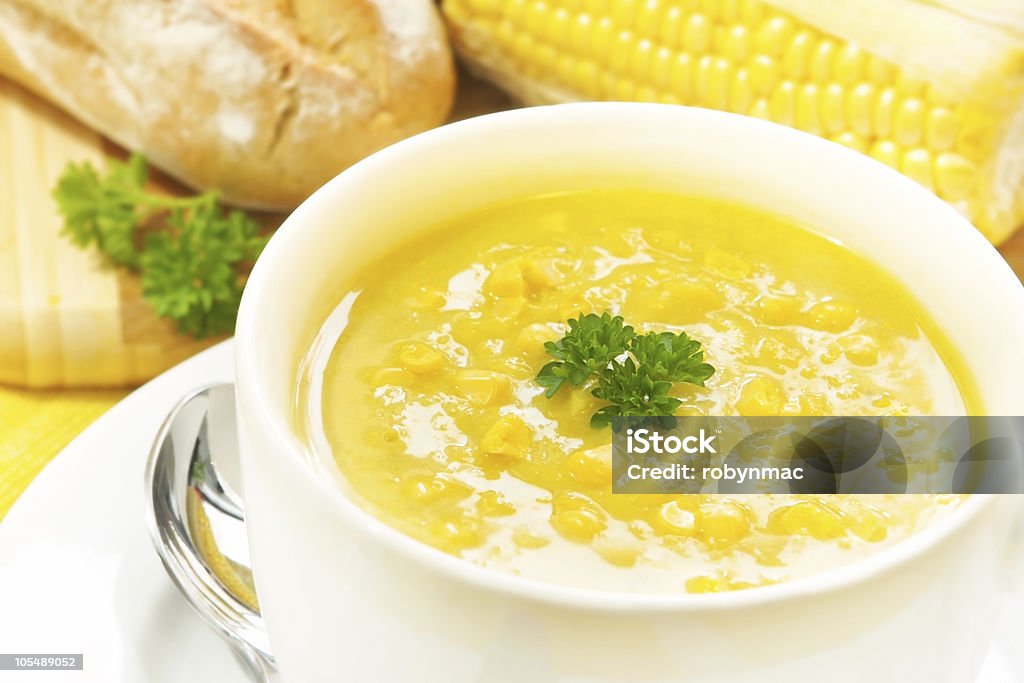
x: 252, y: 392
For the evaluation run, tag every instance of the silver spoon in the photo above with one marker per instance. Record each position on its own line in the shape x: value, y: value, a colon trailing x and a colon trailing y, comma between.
x: 198, y: 524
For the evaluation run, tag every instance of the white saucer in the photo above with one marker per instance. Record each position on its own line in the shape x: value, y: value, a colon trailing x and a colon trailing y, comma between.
x: 78, y: 573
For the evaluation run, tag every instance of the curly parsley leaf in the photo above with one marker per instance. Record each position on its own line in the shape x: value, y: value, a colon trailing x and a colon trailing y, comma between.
x: 635, y: 373
x: 673, y: 357
x: 190, y: 252
x: 592, y: 342
x: 632, y: 390
x: 103, y: 211
x: 189, y: 270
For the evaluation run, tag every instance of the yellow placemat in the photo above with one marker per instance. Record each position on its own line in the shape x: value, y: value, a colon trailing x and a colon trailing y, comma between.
x: 36, y: 425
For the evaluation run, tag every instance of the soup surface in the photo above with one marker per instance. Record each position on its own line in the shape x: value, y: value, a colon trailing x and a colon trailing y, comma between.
x: 425, y: 394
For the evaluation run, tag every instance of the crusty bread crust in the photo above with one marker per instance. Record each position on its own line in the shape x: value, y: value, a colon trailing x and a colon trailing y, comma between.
x: 264, y: 100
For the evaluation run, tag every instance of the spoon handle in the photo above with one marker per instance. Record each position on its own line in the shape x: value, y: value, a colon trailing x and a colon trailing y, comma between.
x: 197, y: 522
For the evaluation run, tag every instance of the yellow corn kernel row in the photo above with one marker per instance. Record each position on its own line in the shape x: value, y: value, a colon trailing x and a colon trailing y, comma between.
x: 747, y: 57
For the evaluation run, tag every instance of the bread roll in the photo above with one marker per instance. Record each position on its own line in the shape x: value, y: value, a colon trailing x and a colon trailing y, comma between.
x: 264, y: 100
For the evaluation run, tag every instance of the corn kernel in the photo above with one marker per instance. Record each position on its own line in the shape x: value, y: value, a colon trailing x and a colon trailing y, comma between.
x: 697, y: 35
x: 566, y: 69
x: 643, y: 55
x: 831, y: 316
x: 675, y: 519
x: 556, y: 30
x: 592, y: 467
x: 580, y: 30
x: 773, y: 36
x: 531, y: 338
x: 426, y: 487
x: 887, y: 152
x: 797, y: 56
x: 492, y: 504
x: 778, y: 309
x: 761, y: 396
x: 730, y: 11
x: 661, y: 68
x: 706, y: 584
x: 719, y: 38
x: 506, y: 35
x: 622, y: 48
x: 860, y: 349
x: 681, y: 77
x: 741, y: 92
x: 752, y: 12
x: 540, y: 275
x: 908, y: 125
x: 822, y: 60
x: 393, y: 377
x: 524, y: 537
x: 490, y: 7
x: 535, y: 17
x: 850, y: 64
x: 719, y: 79
x: 623, y: 12
x: 831, y: 355
x: 807, y: 518
x: 429, y: 298
x: 457, y: 533
x: 869, y: 525
x: 509, y: 436
x: 671, y: 27
x: 807, y: 110
x: 954, y: 177
x: 814, y: 404
x: 833, y: 109
x: 506, y: 279
x: 761, y: 109
x: 618, y: 552
x: 723, y: 523
x: 940, y: 130
x: 727, y: 265
x: 851, y: 140
x: 483, y: 387
x: 577, y: 518
x: 712, y: 9
x: 737, y: 44
x: 764, y: 74
x: 601, y: 40
x: 860, y: 105
x: 702, y: 79
x: 508, y: 308
x: 917, y: 165
x: 783, y: 103
x: 885, y: 112
x: 420, y: 358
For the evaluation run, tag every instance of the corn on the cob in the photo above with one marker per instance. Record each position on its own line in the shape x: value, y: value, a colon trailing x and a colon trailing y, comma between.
x: 927, y: 90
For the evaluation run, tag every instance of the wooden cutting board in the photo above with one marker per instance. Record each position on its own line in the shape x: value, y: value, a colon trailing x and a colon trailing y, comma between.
x: 65, y: 319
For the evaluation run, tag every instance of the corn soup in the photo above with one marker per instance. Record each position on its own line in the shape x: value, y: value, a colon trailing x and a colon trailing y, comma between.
x: 427, y: 400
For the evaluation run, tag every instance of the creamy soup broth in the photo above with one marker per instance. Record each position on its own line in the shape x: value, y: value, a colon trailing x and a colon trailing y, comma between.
x: 423, y: 393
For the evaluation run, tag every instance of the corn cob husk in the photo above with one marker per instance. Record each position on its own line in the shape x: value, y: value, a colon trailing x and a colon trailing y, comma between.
x: 934, y: 89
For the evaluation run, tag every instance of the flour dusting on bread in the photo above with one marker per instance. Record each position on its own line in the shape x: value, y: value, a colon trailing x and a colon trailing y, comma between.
x: 265, y: 101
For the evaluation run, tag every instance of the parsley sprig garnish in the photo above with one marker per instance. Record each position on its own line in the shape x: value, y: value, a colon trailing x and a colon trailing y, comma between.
x: 634, y: 372
x: 591, y: 344
x: 190, y: 251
